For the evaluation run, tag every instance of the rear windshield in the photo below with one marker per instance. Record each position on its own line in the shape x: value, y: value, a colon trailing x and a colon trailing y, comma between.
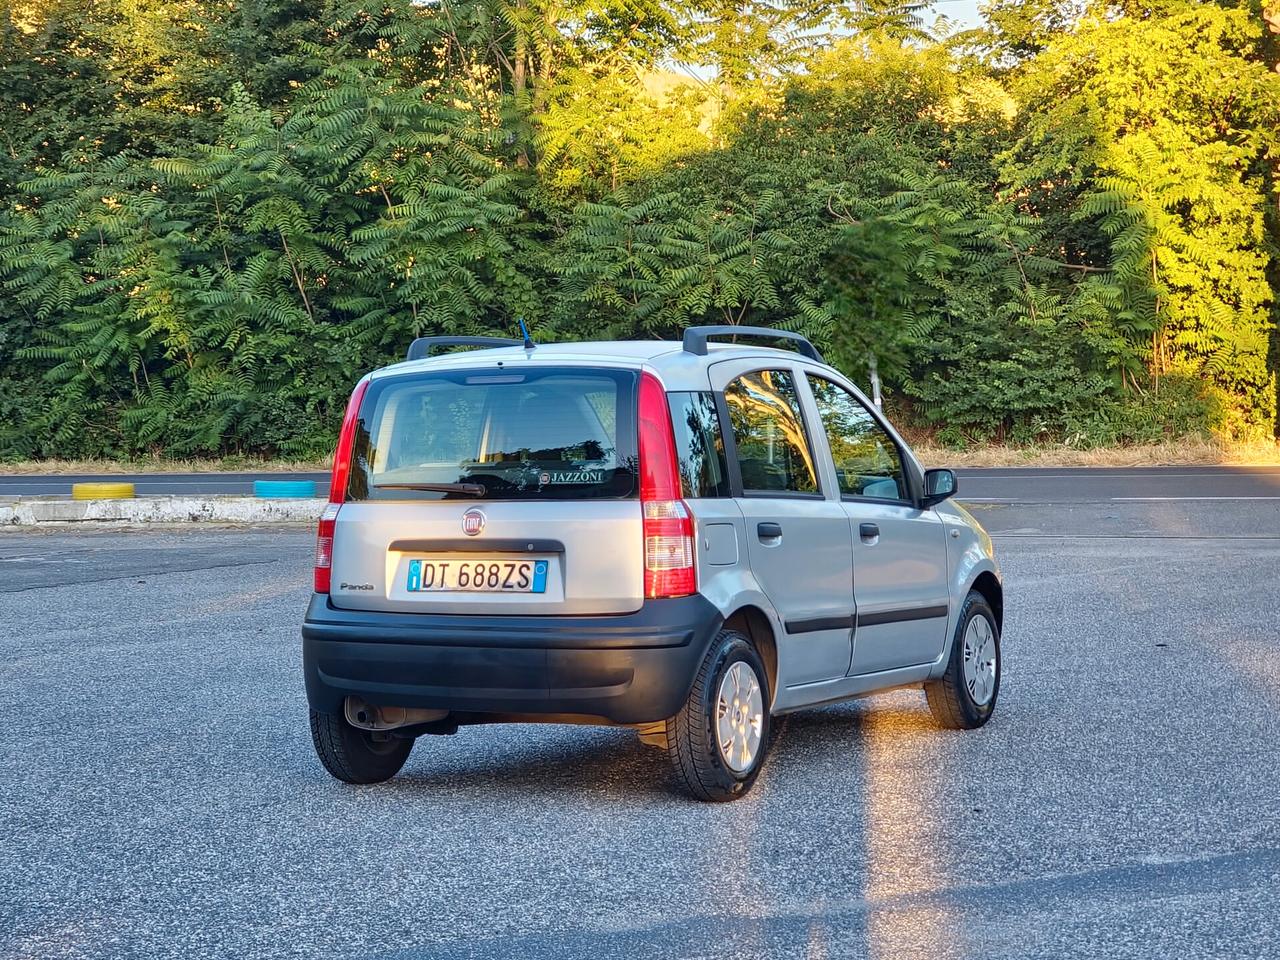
x: 549, y: 434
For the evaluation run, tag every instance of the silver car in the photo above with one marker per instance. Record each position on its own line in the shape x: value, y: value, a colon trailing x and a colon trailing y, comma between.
x: 684, y: 538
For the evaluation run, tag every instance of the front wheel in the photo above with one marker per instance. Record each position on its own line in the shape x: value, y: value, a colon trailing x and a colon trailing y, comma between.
x: 718, y: 740
x: 965, y: 696
x: 357, y: 756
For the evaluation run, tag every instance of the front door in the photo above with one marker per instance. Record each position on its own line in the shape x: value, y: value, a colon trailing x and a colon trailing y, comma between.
x: 798, y: 539
x: 899, y: 551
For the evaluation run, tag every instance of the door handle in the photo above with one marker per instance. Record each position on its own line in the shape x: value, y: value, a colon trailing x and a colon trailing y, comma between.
x: 769, y: 531
x: 870, y: 532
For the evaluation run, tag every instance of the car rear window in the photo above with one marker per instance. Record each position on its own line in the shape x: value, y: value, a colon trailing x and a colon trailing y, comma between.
x: 548, y: 434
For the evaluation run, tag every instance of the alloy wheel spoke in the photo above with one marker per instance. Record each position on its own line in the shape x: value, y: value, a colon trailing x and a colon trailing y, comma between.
x: 739, y: 716
x: 979, y: 660
x: 724, y: 723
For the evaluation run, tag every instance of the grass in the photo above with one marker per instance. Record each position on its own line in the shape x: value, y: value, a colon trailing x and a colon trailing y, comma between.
x: 1187, y: 450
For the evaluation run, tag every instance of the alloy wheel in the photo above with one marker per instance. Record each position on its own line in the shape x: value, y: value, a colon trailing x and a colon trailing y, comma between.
x: 739, y: 717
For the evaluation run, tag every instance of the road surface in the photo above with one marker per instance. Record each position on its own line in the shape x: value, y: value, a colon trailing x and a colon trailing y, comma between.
x: 161, y: 798
x: 1023, y: 484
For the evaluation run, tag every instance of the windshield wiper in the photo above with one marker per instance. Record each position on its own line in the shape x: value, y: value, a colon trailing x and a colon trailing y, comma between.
x: 473, y: 489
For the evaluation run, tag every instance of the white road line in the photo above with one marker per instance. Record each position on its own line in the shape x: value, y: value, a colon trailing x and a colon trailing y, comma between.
x: 42, y: 560
x: 1054, y: 500
x: 1168, y: 499
x: 1233, y: 474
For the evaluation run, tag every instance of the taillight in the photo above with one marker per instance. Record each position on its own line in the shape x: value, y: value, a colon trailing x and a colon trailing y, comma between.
x: 669, y: 569
x: 346, y: 443
x: 337, y: 488
x: 324, y: 547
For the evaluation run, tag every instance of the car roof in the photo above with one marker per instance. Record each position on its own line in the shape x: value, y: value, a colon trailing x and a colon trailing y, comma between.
x: 628, y: 353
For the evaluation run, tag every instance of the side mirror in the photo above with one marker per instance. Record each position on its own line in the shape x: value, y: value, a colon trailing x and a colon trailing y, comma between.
x: 939, y: 485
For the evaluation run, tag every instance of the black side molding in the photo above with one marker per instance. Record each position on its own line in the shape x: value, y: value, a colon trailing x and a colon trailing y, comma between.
x: 819, y: 623
x: 901, y: 616
x: 814, y: 624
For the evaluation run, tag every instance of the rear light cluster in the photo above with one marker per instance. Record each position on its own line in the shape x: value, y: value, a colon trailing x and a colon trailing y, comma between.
x: 324, y: 547
x: 337, y: 489
x: 669, y: 569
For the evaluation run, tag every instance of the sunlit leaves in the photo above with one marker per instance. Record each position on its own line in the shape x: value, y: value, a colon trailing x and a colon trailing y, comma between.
x: 215, y: 217
x: 1151, y: 131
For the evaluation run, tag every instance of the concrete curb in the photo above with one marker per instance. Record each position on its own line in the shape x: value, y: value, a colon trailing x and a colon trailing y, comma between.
x: 157, y: 509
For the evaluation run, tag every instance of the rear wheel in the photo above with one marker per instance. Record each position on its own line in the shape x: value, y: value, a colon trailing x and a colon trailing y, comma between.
x: 965, y: 696
x: 354, y: 755
x: 718, y: 740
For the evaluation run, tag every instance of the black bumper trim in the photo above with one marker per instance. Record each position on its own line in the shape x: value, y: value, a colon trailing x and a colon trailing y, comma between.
x: 629, y: 668
x: 658, y: 623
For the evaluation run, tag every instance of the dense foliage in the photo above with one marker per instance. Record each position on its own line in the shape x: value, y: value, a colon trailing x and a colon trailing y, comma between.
x: 214, y: 214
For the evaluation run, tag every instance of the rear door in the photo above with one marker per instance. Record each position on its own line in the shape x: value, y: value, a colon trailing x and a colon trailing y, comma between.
x: 900, y: 566
x: 538, y: 514
x: 797, y: 539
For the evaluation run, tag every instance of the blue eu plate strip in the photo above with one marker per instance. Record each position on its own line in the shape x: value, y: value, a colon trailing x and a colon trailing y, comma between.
x: 415, y: 575
x: 540, y: 576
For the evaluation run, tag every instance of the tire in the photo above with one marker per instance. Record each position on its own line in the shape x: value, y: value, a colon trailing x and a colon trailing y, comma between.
x: 693, y: 741
x: 957, y: 701
x: 353, y: 755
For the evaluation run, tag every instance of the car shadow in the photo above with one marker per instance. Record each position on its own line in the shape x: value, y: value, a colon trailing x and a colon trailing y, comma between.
x: 832, y: 749
x: 571, y: 761
x: 611, y: 762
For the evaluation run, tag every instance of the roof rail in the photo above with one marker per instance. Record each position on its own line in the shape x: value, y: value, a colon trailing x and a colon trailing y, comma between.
x: 695, y: 338
x: 425, y: 346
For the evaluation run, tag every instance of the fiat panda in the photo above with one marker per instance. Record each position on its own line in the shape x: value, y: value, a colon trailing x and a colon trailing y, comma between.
x: 685, y: 538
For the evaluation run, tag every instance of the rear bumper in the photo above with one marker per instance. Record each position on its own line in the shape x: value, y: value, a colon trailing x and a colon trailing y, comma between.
x: 631, y: 668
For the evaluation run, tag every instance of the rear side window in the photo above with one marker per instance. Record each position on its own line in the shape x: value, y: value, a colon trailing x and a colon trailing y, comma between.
x: 699, y: 445
x: 768, y: 431
x: 548, y: 434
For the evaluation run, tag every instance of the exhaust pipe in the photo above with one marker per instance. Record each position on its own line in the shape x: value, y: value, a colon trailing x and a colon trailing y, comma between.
x: 366, y: 716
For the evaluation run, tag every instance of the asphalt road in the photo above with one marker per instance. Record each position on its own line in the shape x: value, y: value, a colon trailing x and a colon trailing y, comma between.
x: 1119, y: 484
x: 161, y: 798
x: 1014, y: 485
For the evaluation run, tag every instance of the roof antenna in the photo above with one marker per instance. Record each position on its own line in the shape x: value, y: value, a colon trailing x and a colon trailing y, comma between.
x: 524, y: 332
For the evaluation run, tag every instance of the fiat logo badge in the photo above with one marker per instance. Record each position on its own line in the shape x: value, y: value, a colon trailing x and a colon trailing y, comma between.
x: 473, y: 522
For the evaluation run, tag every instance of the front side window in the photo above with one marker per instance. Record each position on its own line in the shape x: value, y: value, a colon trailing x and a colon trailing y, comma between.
x: 768, y: 431
x: 550, y: 434
x: 866, y: 458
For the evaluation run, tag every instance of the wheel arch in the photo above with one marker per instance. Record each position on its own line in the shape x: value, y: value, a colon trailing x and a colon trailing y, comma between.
x: 754, y: 623
x: 988, y: 584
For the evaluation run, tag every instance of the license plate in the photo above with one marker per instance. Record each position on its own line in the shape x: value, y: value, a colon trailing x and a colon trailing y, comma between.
x: 477, y: 576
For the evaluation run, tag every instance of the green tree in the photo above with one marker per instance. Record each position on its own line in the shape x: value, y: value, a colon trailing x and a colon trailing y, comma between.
x: 1154, y: 125
x: 213, y: 217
